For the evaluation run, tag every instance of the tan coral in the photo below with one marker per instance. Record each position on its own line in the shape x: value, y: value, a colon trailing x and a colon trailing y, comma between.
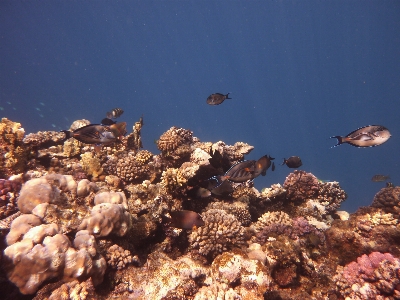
x: 173, y: 180
x: 268, y: 218
x: 221, y: 232
x: 91, y: 165
x: 173, y: 138
x: 118, y: 258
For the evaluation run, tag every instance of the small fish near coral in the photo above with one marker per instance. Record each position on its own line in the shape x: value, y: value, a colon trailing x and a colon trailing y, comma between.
x: 185, y: 219
x: 110, y: 115
x: 114, y: 113
x: 292, y: 162
x: 367, y: 136
x: 97, y: 133
x: 380, y: 178
x: 217, y: 98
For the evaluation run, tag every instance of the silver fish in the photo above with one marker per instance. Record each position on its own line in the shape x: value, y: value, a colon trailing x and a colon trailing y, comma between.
x: 367, y: 136
x: 380, y: 178
x: 115, y: 113
x: 97, y: 134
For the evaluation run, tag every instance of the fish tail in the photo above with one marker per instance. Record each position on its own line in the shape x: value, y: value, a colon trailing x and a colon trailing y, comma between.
x: 68, y: 134
x: 339, y: 138
x: 284, y: 161
x: 227, y: 96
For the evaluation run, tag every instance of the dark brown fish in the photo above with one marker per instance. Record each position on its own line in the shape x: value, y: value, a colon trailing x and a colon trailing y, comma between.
x: 367, y: 136
x: 114, y: 113
x: 222, y: 189
x: 97, y: 134
x: 380, y: 178
x: 262, y: 166
x: 217, y: 98
x: 186, y: 219
x: 292, y: 162
x: 107, y: 121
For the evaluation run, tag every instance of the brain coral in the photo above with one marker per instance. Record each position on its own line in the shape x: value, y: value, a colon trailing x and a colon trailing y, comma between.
x: 388, y: 199
x: 373, y: 276
x: 221, y: 232
x: 301, y: 185
x: 173, y: 138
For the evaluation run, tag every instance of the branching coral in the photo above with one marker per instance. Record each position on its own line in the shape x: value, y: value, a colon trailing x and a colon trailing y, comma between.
x: 9, y: 191
x: 221, y: 232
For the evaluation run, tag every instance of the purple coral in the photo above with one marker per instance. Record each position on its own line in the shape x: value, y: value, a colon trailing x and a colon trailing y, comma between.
x: 370, y: 277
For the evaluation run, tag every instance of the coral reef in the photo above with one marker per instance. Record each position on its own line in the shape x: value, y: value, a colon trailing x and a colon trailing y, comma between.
x: 74, y: 219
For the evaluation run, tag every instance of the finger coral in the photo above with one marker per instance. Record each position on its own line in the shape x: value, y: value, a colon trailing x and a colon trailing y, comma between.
x: 221, y: 232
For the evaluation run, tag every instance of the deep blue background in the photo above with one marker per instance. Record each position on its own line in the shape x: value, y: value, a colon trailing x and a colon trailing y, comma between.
x: 298, y: 72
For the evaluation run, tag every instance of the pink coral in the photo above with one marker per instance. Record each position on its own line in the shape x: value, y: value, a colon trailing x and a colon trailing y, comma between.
x: 370, y: 277
x: 301, y: 185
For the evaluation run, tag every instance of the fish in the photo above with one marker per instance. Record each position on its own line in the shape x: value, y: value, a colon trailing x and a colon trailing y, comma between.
x: 185, y: 219
x: 97, y: 133
x: 222, y: 189
x: 292, y: 162
x: 367, y: 136
x: 217, y: 98
x: 273, y: 167
x: 107, y: 121
x: 114, y: 113
x: 198, y: 192
x: 241, y: 171
x: 380, y: 178
x: 389, y: 185
x: 262, y: 166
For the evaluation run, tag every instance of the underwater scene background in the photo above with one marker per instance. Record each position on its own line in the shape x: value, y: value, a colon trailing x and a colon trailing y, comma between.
x: 174, y: 197
x: 298, y: 72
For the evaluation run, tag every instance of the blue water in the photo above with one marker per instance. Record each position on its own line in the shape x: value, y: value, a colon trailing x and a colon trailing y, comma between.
x: 298, y: 72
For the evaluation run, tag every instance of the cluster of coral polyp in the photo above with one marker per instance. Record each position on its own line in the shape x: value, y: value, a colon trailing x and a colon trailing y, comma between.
x: 84, y: 223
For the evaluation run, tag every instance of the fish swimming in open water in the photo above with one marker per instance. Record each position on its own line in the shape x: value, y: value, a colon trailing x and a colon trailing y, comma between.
x: 367, y: 136
x: 97, y: 134
x: 380, y: 178
x: 292, y: 162
x: 217, y: 98
x: 114, y: 113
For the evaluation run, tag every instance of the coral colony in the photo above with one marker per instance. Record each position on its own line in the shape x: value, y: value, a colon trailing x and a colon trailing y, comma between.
x: 85, y: 223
